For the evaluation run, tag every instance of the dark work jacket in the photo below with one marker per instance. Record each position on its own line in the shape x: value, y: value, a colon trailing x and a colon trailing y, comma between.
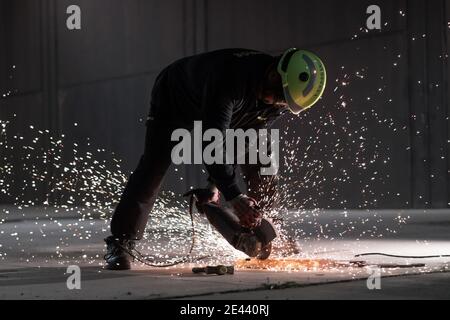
x: 219, y: 88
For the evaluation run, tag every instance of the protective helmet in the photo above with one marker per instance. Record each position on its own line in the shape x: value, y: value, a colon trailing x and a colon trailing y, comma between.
x: 303, y: 76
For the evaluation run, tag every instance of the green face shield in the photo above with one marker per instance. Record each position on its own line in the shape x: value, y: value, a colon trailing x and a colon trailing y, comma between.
x: 303, y: 76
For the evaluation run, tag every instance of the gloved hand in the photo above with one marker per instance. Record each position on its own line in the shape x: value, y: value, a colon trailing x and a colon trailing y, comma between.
x: 247, y: 211
x: 210, y: 194
x: 215, y: 195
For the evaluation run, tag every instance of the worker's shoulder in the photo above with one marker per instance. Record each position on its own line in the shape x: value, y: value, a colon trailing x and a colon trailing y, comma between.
x: 226, y: 64
x: 239, y: 53
x: 237, y: 60
x: 226, y: 54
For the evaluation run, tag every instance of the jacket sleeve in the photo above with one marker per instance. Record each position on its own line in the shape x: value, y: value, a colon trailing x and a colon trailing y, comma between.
x: 218, y: 109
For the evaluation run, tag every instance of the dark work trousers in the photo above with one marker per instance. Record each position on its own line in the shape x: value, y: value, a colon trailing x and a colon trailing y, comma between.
x: 131, y: 215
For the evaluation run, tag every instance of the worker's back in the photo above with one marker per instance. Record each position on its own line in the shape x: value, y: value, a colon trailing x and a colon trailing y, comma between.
x: 187, y: 88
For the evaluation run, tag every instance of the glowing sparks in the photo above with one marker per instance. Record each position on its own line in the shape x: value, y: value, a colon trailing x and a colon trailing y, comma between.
x: 323, y: 155
x: 289, y: 264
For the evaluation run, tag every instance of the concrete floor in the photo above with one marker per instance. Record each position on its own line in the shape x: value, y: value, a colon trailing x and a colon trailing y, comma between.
x: 36, y: 251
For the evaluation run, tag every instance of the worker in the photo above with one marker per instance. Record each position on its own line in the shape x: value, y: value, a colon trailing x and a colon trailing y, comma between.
x: 225, y: 89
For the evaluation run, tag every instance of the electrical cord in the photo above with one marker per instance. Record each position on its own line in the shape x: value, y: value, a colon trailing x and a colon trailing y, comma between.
x: 400, y: 256
x: 137, y: 255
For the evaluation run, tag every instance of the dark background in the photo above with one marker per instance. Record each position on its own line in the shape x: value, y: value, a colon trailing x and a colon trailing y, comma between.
x: 100, y: 77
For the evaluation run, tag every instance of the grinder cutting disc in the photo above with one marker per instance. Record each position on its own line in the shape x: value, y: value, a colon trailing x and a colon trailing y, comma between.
x: 265, y: 232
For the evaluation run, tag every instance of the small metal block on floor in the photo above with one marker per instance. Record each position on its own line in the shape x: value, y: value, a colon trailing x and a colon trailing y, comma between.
x: 219, y: 270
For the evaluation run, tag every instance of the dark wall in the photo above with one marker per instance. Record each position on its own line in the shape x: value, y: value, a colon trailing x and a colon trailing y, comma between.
x: 395, y: 103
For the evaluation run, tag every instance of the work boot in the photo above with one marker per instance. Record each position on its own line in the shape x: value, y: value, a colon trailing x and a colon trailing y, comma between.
x: 118, y: 253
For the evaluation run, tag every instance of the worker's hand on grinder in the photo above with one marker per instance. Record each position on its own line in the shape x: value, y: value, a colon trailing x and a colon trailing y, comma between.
x: 215, y: 195
x: 247, y: 211
x: 209, y: 194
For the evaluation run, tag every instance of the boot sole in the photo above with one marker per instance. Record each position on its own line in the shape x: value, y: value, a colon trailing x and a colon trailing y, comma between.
x: 120, y: 265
